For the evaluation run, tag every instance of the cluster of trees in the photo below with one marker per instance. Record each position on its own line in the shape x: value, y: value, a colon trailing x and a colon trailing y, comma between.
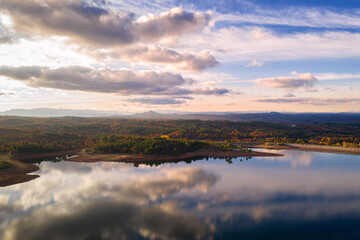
x: 27, y: 147
x: 149, y: 145
x: 20, y: 134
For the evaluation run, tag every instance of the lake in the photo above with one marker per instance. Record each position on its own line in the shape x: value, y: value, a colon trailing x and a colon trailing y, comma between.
x: 302, y: 195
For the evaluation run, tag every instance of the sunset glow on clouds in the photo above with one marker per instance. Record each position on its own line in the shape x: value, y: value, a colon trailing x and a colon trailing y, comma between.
x: 180, y: 55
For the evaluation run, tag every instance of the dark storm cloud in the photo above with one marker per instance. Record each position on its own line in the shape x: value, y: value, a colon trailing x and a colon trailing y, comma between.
x: 124, y: 82
x: 96, y: 24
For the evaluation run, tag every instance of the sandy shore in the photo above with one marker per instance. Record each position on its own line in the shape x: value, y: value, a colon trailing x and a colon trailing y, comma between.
x: 307, y: 147
x: 322, y: 148
x: 18, y: 173
x: 102, y: 157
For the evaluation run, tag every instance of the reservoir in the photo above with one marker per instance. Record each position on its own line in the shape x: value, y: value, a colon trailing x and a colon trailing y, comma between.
x: 301, y: 195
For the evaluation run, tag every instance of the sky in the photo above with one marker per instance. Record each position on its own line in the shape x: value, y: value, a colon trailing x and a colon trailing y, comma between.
x: 187, y: 56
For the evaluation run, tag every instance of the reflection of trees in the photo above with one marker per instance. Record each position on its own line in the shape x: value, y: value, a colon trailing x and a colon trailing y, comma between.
x: 187, y: 160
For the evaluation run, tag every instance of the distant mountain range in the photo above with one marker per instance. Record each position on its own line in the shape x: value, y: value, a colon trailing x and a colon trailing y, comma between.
x: 244, y: 117
x: 54, y: 112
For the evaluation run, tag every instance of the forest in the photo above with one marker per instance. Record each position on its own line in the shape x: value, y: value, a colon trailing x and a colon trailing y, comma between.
x: 40, y: 135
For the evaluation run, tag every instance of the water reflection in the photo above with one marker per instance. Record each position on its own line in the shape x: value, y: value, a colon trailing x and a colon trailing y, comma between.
x: 259, y: 199
x: 187, y: 161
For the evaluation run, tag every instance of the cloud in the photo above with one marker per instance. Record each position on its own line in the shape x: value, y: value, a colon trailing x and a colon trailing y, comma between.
x: 289, y: 95
x: 172, y: 182
x: 107, y: 33
x: 255, y: 63
x: 295, y: 17
x: 330, y: 89
x: 155, y: 54
x: 107, y: 220
x: 157, y: 101
x: 142, y: 203
x: 248, y: 43
x: 5, y: 35
x: 210, y: 91
x: 6, y: 39
x: 296, y: 81
x: 123, y: 81
x: 311, y: 101
x: 92, y: 22
x: 337, y: 76
x: 6, y: 93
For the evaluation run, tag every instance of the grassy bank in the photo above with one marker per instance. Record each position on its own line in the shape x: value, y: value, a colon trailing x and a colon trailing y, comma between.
x: 5, y: 164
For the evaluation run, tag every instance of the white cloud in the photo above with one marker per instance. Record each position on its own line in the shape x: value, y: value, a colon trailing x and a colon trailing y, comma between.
x: 311, y: 101
x: 255, y: 63
x: 298, y: 80
x: 337, y: 76
x: 296, y: 17
x: 245, y: 44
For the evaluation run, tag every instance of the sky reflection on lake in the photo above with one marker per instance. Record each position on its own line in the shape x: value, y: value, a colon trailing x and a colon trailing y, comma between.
x: 303, y: 195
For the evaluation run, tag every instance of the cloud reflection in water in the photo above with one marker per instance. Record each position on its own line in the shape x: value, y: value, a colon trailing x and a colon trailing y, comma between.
x: 207, y: 199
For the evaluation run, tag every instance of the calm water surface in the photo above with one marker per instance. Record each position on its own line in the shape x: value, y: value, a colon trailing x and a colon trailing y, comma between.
x: 303, y: 195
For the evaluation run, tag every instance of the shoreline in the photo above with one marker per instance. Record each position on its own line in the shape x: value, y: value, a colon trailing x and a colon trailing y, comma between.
x: 108, y: 157
x: 17, y: 173
x: 21, y: 165
x: 42, y: 156
x: 307, y: 147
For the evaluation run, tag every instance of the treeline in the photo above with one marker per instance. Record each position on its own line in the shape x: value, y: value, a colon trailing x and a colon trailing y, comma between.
x: 150, y: 146
x: 21, y: 134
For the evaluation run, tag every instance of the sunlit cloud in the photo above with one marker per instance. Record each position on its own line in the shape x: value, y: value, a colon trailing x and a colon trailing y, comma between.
x: 310, y: 100
x: 294, y: 16
x: 157, y: 101
x: 195, y: 62
x: 337, y: 76
x: 96, y: 24
x: 123, y: 81
x: 248, y: 43
x: 298, y: 80
x: 216, y: 53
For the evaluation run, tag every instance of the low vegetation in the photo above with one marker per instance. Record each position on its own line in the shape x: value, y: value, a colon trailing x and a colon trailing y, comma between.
x: 46, y: 135
x: 4, y: 164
